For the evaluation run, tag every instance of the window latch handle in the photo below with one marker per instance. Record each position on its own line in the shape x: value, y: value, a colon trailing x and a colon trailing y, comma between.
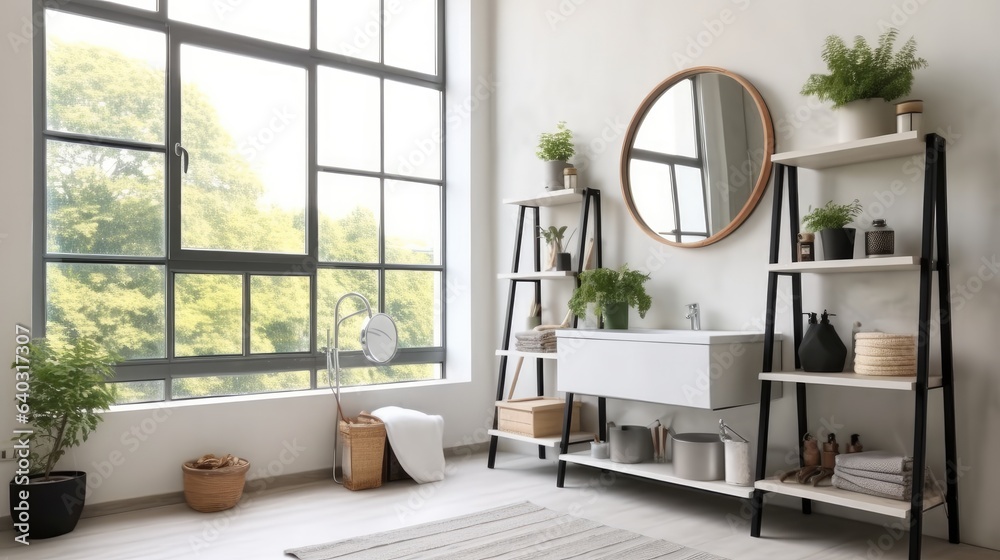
x: 183, y: 154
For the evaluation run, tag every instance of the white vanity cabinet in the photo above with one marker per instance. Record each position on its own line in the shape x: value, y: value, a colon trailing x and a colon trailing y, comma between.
x: 697, y: 369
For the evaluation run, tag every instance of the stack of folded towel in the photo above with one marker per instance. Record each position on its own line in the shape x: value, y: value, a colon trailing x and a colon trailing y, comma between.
x: 535, y: 341
x: 877, y: 473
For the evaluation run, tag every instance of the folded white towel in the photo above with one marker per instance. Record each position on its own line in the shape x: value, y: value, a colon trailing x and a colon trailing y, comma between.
x: 874, y: 475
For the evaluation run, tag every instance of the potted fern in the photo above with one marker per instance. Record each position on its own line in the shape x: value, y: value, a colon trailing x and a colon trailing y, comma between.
x: 66, y: 391
x: 555, y: 149
x: 831, y: 221
x: 612, y: 292
x: 862, y: 80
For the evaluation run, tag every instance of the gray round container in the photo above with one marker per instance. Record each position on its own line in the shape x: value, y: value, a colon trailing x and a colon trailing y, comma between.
x: 698, y: 456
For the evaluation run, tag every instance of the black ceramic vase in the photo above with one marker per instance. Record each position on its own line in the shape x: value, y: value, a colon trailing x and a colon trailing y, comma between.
x: 821, y: 349
x: 43, y: 510
x: 838, y: 243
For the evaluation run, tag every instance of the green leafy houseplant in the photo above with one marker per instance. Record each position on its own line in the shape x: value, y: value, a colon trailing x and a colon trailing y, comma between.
x: 556, y: 146
x: 861, y: 72
x: 67, y: 390
x: 604, y: 287
x: 553, y: 235
x: 831, y: 216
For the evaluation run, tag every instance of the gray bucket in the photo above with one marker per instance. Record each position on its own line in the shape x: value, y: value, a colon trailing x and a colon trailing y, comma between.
x: 698, y: 456
x: 630, y: 444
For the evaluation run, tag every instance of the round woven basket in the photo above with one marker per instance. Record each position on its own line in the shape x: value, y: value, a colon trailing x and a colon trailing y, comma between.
x: 209, y: 490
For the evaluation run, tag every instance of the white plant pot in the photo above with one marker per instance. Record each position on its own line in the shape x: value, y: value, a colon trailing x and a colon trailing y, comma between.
x: 554, y: 173
x: 865, y: 118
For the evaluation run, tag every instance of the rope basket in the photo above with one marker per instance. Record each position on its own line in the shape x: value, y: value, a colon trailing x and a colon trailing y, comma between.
x: 364, y: 445
x: 209, y: 490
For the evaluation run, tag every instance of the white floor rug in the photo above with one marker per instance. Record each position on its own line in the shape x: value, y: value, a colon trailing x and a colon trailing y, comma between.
x: 519, y: 531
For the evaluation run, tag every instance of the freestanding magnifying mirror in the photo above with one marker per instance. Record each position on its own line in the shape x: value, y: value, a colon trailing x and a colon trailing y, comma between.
x: 379, y: 342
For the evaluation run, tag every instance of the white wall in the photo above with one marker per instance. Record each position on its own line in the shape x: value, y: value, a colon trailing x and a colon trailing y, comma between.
x: 137, y: 451
x: 590, y: 63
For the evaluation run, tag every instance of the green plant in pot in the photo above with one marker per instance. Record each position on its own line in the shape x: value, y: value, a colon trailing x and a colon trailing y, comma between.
x: 863, y: 80
x: 612, y: 292
x: 831, y: 222
x: 66, y: 390
x: 555, y: 149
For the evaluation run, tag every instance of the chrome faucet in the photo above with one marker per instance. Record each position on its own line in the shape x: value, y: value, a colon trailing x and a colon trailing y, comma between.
x: 694, y: 315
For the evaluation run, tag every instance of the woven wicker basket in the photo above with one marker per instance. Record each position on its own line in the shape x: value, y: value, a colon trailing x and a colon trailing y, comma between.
x: 364, y: 444
x: 211, y: 490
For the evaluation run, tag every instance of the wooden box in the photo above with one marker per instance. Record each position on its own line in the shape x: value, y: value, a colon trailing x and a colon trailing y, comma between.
x: 536, y: 416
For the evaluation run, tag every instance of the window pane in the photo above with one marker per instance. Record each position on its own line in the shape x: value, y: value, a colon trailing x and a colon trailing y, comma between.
x: 244, y: 125
x: 412, y: 223
x: 208, y: 314
x: 349, y: 211
x: 279, y: 314
x: 691, y: 199
x: 651, y: 192
x: 411, y: 35
x: 331, y: 285
x: 141, y: 4
x: 413, y: 299
x: 243, y: 384
x: 121, y: 305
x: 382, y: 374
x: 412, y: 130
x: 669, y: 126
x: 349, y: 27
x: 104, y: 201
x: 349, y: 120
x: 93, y: 87
x: 262, y: 19
x: 129, y: 392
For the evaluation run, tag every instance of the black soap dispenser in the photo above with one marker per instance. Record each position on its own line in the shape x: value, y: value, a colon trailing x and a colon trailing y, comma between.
x: 821, y: 349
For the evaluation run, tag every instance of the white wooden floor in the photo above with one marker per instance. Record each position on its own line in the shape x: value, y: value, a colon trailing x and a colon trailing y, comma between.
x: 267, y: 523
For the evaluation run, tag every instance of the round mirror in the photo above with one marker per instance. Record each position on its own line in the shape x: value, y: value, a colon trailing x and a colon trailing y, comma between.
x: 697, y: 157
x: 379, y: 338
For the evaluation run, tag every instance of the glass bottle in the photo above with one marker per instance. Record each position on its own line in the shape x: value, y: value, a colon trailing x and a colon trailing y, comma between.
x: 880, y: 240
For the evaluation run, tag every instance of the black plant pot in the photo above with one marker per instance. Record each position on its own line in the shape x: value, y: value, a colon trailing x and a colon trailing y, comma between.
x: 838, y: 243
x: 41, y: 510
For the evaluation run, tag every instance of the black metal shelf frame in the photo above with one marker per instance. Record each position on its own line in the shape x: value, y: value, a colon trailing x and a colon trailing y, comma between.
x: 935, y: 231
x: 591, y: 200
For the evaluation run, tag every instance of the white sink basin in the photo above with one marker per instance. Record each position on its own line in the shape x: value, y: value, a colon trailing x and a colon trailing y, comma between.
x: 700, y: 369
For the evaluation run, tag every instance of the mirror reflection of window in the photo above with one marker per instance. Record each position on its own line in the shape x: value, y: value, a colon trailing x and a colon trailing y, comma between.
x: 669, y: 127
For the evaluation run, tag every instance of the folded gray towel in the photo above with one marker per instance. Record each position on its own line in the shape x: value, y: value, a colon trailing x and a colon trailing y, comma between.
x: 872, y: 487
x: 876, y: 461
x: 874, y: 475
x: 535, y: 335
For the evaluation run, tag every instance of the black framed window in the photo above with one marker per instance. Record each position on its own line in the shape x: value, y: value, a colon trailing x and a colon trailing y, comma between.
x: 211, y: 177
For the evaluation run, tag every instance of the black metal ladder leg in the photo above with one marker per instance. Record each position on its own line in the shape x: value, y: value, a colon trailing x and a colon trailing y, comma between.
x: 564, y: 443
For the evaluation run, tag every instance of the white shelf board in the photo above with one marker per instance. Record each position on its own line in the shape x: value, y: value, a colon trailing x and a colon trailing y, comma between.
x: 551, y: 441
x: 846, y: 498
x: 850, y: 380
x: 519, y: 354
x: 858, y: 151
x: 544, y: 275
x: 663, y: 472
x: 550, y: 198
x: 881, y: 264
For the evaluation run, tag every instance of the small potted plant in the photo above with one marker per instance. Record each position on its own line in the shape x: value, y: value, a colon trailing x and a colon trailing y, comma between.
x: 831, y: 221
x: 553, y: 238
x: 555, y: 149
x: 66, y: 391
x: 612, y: 292
x: 862, y: 80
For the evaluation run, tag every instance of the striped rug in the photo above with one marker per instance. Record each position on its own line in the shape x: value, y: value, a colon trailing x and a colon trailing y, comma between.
x: 519, y: 531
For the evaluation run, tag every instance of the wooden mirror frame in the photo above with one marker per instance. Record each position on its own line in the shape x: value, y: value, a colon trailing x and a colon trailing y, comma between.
x: 633, y: 130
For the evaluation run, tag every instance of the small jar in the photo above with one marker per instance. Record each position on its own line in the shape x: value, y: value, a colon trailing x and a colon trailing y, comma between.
x: 807, y: 247
x: 909, y: 116
x: 569, y: 179
x: 880, y: 240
